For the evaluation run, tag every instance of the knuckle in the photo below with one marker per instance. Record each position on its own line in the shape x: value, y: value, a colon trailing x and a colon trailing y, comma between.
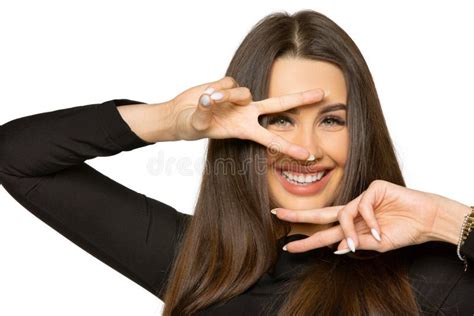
x: 247, y: 91
x: 376, y: 182
x: 340, y: 214
x: 230, y: 80
x: 273, y: 146
x: 364, y: 208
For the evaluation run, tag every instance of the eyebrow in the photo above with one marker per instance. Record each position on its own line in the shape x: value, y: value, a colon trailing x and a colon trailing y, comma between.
x: 323, y: 109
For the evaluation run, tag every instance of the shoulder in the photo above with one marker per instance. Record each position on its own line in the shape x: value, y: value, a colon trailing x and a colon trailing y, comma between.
x: 439, y: 280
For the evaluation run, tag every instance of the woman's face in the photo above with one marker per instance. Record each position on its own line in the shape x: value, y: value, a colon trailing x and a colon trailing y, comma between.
x: 320, y: 129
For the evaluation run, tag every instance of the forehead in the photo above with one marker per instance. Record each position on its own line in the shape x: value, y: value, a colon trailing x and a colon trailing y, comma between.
x: 291, y: 75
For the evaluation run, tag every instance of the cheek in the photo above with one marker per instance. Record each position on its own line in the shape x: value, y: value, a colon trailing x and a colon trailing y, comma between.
x: 336, y: 146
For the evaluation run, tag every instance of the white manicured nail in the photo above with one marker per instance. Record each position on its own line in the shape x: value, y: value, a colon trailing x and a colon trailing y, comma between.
x: 342, y: 251
x: 311, y: 157
x: 375, y: 233
x: 274, y: 211
x: 217, y: 95
x: 284, y: 248
x: 205, y: 100
x: 209, y: 90
x: 351, y: 245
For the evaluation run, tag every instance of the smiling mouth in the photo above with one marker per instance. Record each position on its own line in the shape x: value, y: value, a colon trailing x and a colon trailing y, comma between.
x: 303, y: 178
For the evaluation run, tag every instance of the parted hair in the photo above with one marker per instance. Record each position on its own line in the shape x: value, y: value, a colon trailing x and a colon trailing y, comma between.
x: 231, y: 240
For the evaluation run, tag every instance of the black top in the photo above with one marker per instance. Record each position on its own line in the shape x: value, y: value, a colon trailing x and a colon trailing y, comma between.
x: 42, y: 167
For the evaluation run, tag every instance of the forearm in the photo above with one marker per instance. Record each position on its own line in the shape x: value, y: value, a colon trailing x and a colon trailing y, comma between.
x: 151, y: 122
x: 450, y: 216
x: 49, y: 142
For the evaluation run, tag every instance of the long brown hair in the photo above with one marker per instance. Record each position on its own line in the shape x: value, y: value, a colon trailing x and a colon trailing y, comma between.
x: 232, y: 238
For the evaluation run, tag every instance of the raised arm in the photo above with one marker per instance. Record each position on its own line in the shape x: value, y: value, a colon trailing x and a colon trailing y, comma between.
x: 42, y: 167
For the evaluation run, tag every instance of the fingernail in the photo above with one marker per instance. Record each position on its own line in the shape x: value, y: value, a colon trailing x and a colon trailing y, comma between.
x: 285, y: 248
x: 217, y: 95
x: 342, y: 251
x: 327, y: 93
x: 350, y: 243
x: 311, y: 157
x: 273, y: 211
x: 375, y: 233
x: 209, y: 90
x: 205, y: 100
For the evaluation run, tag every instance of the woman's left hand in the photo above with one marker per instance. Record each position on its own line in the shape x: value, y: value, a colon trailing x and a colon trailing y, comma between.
x: 400, y: 217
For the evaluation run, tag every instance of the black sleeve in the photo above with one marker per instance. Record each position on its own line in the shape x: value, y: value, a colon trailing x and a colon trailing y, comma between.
x: 467, y: 249
x: 42, y: 167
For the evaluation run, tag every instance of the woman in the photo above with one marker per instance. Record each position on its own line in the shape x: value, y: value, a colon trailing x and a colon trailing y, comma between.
x: 228, y: 257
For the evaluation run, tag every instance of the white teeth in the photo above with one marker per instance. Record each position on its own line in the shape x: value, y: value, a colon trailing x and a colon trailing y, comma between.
x: 302, y: 179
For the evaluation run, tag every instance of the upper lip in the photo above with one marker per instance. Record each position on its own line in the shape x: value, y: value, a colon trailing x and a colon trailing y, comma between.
x: 301, y: 168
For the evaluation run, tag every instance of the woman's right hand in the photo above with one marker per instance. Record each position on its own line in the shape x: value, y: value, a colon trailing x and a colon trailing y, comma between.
x: 197, y: 114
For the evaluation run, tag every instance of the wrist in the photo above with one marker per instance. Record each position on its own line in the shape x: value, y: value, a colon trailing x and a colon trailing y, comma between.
x: 449, y: 219
x: 151, y: 122
x: 163, y: 122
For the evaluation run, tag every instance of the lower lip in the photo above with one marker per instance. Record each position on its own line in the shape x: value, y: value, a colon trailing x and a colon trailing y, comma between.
x: 303, y: 189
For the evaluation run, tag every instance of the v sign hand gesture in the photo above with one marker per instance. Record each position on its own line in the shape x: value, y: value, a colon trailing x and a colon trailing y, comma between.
x: 226, y: 110
x: 384, y: 217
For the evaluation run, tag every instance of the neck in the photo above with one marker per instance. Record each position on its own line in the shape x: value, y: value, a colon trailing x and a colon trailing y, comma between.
x: 307, y: 229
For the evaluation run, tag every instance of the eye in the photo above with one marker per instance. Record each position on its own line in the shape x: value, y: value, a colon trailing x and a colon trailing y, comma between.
x: 280, y: 120
x: 333, y: 121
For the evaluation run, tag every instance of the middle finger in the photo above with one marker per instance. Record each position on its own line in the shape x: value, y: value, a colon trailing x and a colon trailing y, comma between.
x: 286, y: 102
x: 317, y: 240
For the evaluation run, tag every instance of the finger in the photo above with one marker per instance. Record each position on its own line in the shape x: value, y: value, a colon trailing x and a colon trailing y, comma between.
x: 346, y: 219
x: 239, y: 96
x: 366, y: 209
x: 225, y: 83
x: 324, y: 215
x: 276, y: 143
x: 286, y: 102
x: 202, y: 116
x: 319, y: 239
x: 366, y: 242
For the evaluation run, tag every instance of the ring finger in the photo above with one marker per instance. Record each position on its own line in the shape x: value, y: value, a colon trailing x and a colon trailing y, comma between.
x: 239, y: 96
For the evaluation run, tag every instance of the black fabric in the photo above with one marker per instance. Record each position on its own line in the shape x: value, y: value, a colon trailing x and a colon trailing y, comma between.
x: 42, y: 166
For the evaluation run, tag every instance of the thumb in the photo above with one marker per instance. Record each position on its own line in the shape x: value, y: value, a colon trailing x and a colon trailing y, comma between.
x: 201, y: 118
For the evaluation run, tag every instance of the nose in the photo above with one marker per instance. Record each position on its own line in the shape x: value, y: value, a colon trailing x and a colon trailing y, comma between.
x: 307, y: 138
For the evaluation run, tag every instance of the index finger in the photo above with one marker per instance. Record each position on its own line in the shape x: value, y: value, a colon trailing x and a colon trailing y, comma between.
x: 286, y: 102
x: 325, y: 215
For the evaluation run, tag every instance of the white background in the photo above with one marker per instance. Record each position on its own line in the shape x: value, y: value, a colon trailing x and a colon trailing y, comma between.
x: 58, y: 54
